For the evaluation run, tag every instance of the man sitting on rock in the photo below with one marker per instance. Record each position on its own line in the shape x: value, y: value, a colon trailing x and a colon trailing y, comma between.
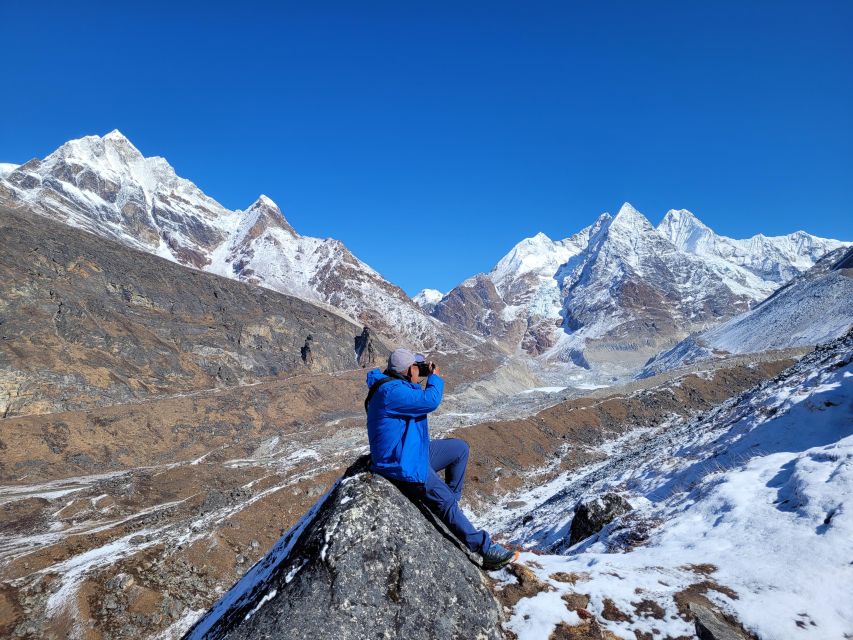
x: 401, y: 450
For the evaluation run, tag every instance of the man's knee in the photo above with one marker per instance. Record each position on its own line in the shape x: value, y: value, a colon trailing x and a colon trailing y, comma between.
x: 462, y: 449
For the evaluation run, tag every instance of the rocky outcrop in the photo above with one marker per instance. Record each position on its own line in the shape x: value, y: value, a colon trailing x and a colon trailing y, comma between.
x: 368, y: 352
x: 711, y: 624
x: 307, y: 355
x: 363, y: 563
x: 592, y: 516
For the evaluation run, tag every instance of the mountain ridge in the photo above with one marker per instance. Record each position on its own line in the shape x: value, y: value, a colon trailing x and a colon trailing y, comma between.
x: 620, y: 285
x: 810, y: 309
x: 104, y: 185
x: 623, y: 284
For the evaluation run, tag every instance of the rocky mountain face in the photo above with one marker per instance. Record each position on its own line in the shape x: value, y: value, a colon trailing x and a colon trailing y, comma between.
x: 86, y: 321
x: 812, y: 308
x: 363, y: 563
x: 621, y: 288
x: 105, y: 186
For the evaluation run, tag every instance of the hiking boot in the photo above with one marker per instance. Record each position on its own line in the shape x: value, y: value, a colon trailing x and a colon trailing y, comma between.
x: 498, y: 556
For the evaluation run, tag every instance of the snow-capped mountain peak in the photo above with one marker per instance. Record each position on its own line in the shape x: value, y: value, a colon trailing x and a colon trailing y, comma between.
x: 266, y: 212
x: 115, y: 160
x: 775, y: 259
x: 115, y: 134
x: 262, y: 214
x: 532, y: 255
x: 622, y: 284
x: 683, y: 229
x: 114, y: 149
x: 266, y: 201
x: 104, y: 185
x: 630, y: 219
x: 426, y: 299
x: 629, y: 238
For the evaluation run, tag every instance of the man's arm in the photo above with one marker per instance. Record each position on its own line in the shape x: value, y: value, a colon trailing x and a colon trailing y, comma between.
x: 404, y: 400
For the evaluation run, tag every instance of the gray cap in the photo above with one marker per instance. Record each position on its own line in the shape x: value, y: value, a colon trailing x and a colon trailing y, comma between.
x: 401, y: 359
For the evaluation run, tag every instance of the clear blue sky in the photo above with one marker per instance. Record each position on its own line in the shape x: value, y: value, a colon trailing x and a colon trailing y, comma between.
x: 432, y: 137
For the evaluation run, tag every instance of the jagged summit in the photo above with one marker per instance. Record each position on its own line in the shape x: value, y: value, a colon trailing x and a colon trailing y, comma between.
x: 261, y: 215
x: 115, y: 159
x: 98, y: 145
x: 630, y: 220
x: 628, y: 211
x: 683, y: 229
x: 775, y: 259
x: 265, y: 207
x: 265, y: 201
x: 426, y: 299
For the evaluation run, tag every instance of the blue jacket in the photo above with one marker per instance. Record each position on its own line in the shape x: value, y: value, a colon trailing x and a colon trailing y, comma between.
x: 397, y: 426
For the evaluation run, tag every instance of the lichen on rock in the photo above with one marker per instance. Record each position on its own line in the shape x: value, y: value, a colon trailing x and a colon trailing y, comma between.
x: 365, y: 563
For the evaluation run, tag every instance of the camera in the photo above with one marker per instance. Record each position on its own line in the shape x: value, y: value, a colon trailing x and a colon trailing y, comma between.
x: 425, y: 368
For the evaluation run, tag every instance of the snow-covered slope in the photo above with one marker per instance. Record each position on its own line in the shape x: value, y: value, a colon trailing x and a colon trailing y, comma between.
x: 748, y: 506
x: 104, y: 185
x: 622, y: 285
x: 775, y: 259
x: 811, y: 309
x: 6, y: 168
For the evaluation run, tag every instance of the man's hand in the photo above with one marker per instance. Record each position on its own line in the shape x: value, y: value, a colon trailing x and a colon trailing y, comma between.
x: 433, y: 368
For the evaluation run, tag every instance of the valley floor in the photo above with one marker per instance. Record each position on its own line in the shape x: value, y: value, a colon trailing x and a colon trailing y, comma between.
x: 143, y: 544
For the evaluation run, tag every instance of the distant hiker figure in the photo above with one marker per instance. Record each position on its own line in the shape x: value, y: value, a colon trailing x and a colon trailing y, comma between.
x: 401, y: 450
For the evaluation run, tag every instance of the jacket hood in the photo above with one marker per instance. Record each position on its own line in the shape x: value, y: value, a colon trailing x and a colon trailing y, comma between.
x: 373, y: 375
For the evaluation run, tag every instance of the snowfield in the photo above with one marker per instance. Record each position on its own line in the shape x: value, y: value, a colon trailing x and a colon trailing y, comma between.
x: 754, y: 501
x: 6, y: 168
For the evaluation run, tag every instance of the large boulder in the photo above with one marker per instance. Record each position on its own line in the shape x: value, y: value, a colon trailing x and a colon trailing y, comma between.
x: 593, y: 515
x: 365, y: 562
x: 712, y: 624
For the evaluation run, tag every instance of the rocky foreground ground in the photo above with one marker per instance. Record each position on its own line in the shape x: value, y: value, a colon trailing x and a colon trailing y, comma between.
x: 130, y: 521
x: 365, y: 562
